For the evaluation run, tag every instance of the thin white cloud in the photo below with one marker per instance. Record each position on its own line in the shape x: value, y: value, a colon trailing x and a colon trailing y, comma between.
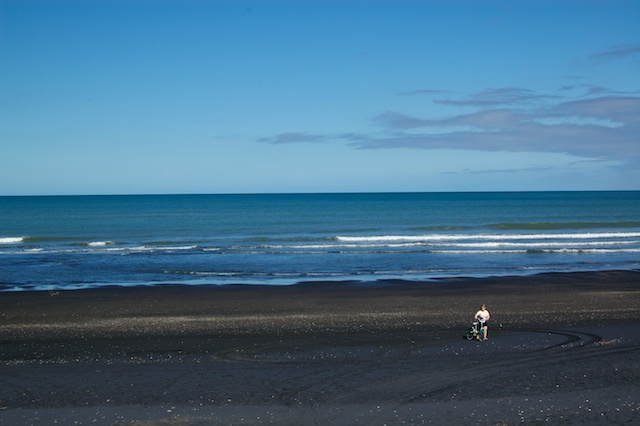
x: 617, y: 52
x: 504, y: 170
x: 622, y: 109
x: 606, y: 127
x: 596, y: 90
x: 484, y: 120
x: 494, y: 97
x: 293, y: 137
x: 424, y: 92
x: 603, y: 127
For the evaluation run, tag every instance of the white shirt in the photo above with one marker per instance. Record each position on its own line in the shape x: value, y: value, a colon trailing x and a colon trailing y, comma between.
x: 483, y: 316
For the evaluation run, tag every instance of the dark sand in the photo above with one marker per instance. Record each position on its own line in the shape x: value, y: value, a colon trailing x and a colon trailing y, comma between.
x: 563, y: 349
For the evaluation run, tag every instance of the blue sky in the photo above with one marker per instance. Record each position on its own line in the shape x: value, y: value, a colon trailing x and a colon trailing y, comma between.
x: 184, y: 96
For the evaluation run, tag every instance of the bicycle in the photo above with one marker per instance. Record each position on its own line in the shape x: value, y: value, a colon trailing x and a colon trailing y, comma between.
x: 476, y: 331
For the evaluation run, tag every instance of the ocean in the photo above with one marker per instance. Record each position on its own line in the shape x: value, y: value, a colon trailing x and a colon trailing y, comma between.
x: 76, y: 242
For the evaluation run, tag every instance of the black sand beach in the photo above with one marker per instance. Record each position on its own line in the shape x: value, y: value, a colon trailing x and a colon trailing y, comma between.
x: 563, y: 349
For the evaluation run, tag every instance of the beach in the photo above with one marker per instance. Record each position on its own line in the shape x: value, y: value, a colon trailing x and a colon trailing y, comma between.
x: 563, y: 348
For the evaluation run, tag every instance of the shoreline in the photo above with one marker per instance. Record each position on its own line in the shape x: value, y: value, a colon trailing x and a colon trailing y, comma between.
x: 346, y: 353
x: 444, y: 302
x: 364, y: 280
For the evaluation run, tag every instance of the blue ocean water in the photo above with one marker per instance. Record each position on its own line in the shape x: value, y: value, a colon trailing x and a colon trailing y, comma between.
x: 67, y: 242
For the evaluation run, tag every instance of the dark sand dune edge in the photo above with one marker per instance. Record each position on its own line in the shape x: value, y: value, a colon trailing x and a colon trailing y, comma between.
x: 333, y: 353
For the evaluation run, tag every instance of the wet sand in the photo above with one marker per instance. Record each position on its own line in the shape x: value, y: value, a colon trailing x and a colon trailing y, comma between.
x: 563, y: 349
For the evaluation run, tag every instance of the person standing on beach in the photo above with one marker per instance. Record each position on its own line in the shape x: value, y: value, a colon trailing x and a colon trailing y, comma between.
x: 483, y: 317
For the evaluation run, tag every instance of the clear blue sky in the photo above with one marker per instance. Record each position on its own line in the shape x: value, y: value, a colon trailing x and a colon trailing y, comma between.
x: 183, y: 96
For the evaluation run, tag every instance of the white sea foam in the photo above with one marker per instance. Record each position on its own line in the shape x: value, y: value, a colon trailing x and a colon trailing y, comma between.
x: 501, y: 237
x: 11, y: 240
x: 178, y: 248
x: 550, y: 251
x: 162, y: 248
x: 100, y: 243
x: 547, y: 244
x: 488, y: 244
x: 465, y: 252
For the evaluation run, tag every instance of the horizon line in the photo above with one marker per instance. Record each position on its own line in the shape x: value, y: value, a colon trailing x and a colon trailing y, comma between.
x: 152, y: 194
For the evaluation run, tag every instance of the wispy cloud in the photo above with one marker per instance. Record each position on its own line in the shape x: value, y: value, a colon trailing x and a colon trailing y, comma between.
x: 494, y: 97
x: 397, y: 120
x: 487, y: 120
x: 605, y: 126
x: 293, y: 137
x: 503, y: 170
x: 424, y: 92
x: 620, y: 51
x: 596, y: 90
x: 620, y: 109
